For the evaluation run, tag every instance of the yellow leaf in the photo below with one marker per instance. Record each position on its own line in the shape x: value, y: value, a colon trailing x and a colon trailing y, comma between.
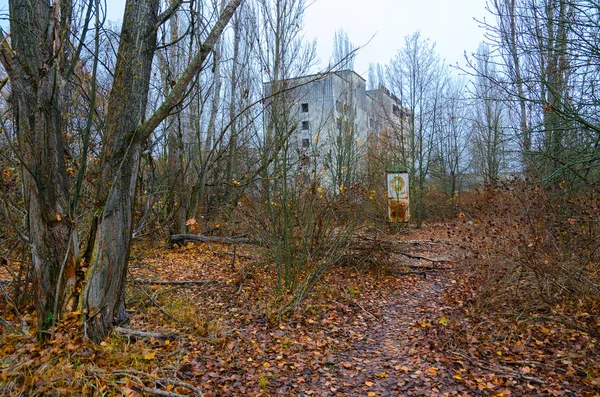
x: 382, y: 375
x: 149, y: 355
x: 249, y: 359
x: 58, y: 218
x: 371, y: 394
x: 443, y: 321
x: 266, y: 364
x: 432, y: 370
x: 169, y: 388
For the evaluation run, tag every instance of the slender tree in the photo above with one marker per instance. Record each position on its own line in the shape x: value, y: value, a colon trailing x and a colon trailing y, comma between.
x: 418, y: 77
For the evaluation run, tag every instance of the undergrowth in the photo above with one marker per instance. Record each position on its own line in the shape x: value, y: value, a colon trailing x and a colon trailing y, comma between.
x: 535, y: 251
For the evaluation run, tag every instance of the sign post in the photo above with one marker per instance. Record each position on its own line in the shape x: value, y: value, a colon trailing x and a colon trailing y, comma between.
x: 397, y: 194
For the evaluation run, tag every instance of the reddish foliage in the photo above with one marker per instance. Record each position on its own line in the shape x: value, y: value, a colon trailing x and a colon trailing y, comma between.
x: 365, y: 331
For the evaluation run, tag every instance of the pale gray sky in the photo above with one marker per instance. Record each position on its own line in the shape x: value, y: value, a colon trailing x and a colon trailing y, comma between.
x: 449, y: 23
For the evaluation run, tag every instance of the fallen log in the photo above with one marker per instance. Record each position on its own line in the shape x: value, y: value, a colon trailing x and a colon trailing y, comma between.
x: 183, y: 238
x: 145, y: 335
x: 168, y: 282
x: 412, y: 256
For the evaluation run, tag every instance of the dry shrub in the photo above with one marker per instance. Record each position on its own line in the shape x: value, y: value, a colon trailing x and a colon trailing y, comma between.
x: 537, y: 247
x: 304, y: 230
x: 438, y: 206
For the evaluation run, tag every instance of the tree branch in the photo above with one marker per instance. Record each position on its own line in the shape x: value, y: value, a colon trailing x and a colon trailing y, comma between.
x: 180, y: 88
x: 168, y: 13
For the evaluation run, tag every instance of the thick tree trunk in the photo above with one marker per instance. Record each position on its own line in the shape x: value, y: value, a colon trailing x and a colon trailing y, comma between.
x: 36, y: 68
x: 126, y: 132
x: 105, y: 280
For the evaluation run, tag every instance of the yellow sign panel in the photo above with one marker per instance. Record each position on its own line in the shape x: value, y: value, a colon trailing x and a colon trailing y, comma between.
x: 398, y: 201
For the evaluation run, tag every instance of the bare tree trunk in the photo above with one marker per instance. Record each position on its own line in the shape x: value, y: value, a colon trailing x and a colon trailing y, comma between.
x: 126, y: 133
x: 104, y: 292
x: 170, y: 64
x: 231, y: 157
x: 37, y: 66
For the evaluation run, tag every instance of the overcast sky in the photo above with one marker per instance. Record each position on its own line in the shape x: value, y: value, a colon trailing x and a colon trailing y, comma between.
x: 449, y: 23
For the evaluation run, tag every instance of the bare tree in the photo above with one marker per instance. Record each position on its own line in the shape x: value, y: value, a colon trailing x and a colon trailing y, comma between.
x: 450, y: 154
x: 343, y: 51
x: 488, y: 142
x: 418, y: 77
x: 546, y: 73
x: 40, y: 61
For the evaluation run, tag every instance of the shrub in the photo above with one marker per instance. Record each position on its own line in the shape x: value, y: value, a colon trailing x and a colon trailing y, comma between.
x: 537, y: 247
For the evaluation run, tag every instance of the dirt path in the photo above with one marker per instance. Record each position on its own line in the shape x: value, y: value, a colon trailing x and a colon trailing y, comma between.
x: 388, y: 346
x: 392, y: 357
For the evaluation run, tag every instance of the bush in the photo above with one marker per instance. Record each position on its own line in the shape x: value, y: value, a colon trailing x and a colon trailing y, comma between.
x: 537, y: 247
x: 304, y: 230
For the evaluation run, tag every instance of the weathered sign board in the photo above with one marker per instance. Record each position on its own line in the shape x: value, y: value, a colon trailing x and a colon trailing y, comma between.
x: 397, y: 194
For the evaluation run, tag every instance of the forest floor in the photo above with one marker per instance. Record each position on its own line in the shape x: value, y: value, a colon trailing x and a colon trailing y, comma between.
x: 413, y: 328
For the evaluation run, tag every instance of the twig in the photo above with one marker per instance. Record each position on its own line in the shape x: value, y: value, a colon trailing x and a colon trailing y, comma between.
x: 158, y: 392
x: 175, y: 382
x: 366, y: 311
x: 423, y: 273
x: 443, y: 242
x: 156, y: 303
x: 233, y: 257
x: 424, y: 258
x: 507, y: 372
x: 359, y: 305
x: 421, y: 267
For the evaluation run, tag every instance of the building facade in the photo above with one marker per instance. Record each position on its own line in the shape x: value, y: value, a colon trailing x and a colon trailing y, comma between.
x: 336, y: 119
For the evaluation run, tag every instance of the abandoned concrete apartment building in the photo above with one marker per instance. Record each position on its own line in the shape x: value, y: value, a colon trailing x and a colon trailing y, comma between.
x: 329, y: 108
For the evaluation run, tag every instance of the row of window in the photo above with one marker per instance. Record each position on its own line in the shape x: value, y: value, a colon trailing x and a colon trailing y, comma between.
x: 343, y: 108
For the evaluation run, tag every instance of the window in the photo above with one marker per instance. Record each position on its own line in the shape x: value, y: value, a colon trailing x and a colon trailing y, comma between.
x: 305, y: 125
x: 305, y: 143
x: 305, y: 108
x: 396, y: 111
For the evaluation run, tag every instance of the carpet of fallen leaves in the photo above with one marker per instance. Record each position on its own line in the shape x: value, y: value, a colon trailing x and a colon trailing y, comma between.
x: 365, y: 331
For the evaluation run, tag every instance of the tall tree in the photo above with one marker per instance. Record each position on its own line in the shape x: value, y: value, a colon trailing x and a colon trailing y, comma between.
x: 40, y: 61
x: 450, y: 159
x: 127, y: 131
x: 546, y: 71
x: 488, y: 143
x: 418, y: 77
x: 344, y: 52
